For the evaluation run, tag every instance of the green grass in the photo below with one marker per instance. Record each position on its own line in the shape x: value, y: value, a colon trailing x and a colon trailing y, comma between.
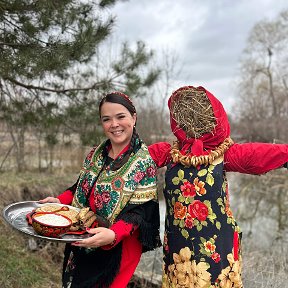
x: 19, y: 266
x: 22, y: 268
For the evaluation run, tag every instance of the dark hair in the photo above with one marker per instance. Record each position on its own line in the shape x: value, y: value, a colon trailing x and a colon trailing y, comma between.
x: 136, y: 142
x: 118, y: 98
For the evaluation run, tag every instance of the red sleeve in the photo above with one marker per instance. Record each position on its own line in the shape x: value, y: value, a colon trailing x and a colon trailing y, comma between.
x: 160, y: 153
x: 255, y: 158
x: 122, y: 230
x: 66, y: 197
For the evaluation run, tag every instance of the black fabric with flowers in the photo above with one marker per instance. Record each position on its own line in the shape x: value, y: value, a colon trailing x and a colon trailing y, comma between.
x: 201, y: 239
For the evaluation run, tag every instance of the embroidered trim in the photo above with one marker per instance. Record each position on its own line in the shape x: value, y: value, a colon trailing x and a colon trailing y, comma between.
x: 188, y: 160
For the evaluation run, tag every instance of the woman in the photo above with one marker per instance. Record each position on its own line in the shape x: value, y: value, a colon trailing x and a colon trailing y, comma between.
x: 202, y: 241
x: 118, y: 182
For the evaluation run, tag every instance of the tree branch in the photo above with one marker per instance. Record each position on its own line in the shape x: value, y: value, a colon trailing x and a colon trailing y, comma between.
x: 33, y: 87
x: 15, y: 45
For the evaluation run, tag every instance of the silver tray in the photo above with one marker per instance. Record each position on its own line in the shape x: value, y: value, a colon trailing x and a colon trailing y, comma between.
x: 15, y: 215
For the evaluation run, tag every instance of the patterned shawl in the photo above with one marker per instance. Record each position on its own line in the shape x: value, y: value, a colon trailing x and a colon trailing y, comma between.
x: 133, y: 183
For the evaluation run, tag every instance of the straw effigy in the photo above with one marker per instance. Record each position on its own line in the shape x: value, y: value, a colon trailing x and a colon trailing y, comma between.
x: 193, y: 112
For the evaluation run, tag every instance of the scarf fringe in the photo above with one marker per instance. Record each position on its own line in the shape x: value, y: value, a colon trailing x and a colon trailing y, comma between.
x: 149, y: 235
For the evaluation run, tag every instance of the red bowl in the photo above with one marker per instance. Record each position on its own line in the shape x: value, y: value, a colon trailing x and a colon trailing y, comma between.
x: 50, y: 224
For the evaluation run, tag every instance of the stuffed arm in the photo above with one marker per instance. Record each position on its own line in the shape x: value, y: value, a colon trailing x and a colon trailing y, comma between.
x: 255, y: 158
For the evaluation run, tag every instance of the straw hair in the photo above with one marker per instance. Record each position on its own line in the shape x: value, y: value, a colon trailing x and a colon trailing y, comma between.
x: 192, y: 111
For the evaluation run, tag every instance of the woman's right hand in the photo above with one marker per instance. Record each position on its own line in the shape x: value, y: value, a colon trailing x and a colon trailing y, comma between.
x: 102, y: 236
x: 49, y: 200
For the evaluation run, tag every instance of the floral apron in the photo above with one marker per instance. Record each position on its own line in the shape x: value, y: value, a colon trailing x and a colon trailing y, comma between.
x: 201, y: 239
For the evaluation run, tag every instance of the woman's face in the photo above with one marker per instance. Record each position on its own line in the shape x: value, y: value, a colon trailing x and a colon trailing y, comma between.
x: 117, y: 123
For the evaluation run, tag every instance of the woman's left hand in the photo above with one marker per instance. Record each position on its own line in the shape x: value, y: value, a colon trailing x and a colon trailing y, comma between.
x: 49, y: 200
x: 102, y: 236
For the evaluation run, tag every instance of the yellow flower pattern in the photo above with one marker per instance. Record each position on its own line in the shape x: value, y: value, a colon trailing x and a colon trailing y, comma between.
x: 186, y: 272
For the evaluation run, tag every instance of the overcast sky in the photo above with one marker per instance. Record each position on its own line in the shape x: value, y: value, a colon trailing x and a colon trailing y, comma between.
x: 208, y: 36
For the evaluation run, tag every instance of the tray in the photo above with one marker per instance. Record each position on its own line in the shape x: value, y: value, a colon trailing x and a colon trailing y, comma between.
x: 15, y: 215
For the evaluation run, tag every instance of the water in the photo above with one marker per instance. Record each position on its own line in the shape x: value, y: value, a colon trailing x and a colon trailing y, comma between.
x: 162, y: 206
x: 150, y: 266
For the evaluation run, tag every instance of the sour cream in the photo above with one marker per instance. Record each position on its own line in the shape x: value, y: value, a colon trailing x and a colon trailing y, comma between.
x: 52, y: 220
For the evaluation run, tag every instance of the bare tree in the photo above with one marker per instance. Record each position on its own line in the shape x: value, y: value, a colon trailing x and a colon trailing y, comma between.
x: 263, y: 83
x: 262, y: 117
x: 153, y: 112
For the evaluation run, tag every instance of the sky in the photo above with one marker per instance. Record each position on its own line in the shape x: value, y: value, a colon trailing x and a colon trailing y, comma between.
x: 207, y: 36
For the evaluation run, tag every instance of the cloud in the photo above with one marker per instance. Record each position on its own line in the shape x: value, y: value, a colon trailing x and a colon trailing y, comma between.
x: 207, y: 36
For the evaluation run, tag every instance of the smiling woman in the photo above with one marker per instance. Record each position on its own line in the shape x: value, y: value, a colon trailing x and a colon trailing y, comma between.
x: 118, y: 123
x: 118, y: 182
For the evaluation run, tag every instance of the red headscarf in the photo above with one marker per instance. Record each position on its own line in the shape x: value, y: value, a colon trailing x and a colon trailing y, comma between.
x: 208, y: 141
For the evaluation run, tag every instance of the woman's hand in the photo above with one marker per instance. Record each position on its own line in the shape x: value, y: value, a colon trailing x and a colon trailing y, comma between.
x: 49, y: 200
x: 102, y: 236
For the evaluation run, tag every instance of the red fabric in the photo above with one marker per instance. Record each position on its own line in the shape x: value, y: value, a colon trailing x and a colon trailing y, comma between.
x: 66, y: 197
x: 131, y: 254
x: 255, y: 158
x: 208, y: 141
x: 122, y: 230
x: 236, y: 246
x: 131, y: 246
x: 91, y: 200
x: 248, y: 158
x: 160, y: 153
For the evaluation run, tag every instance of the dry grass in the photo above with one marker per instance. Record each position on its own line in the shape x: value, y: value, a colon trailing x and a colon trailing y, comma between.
x: 63, y: 157
x: 15, y: 187
x: 266, y: 268
x: 193, y: 112
x: 19, y: 266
